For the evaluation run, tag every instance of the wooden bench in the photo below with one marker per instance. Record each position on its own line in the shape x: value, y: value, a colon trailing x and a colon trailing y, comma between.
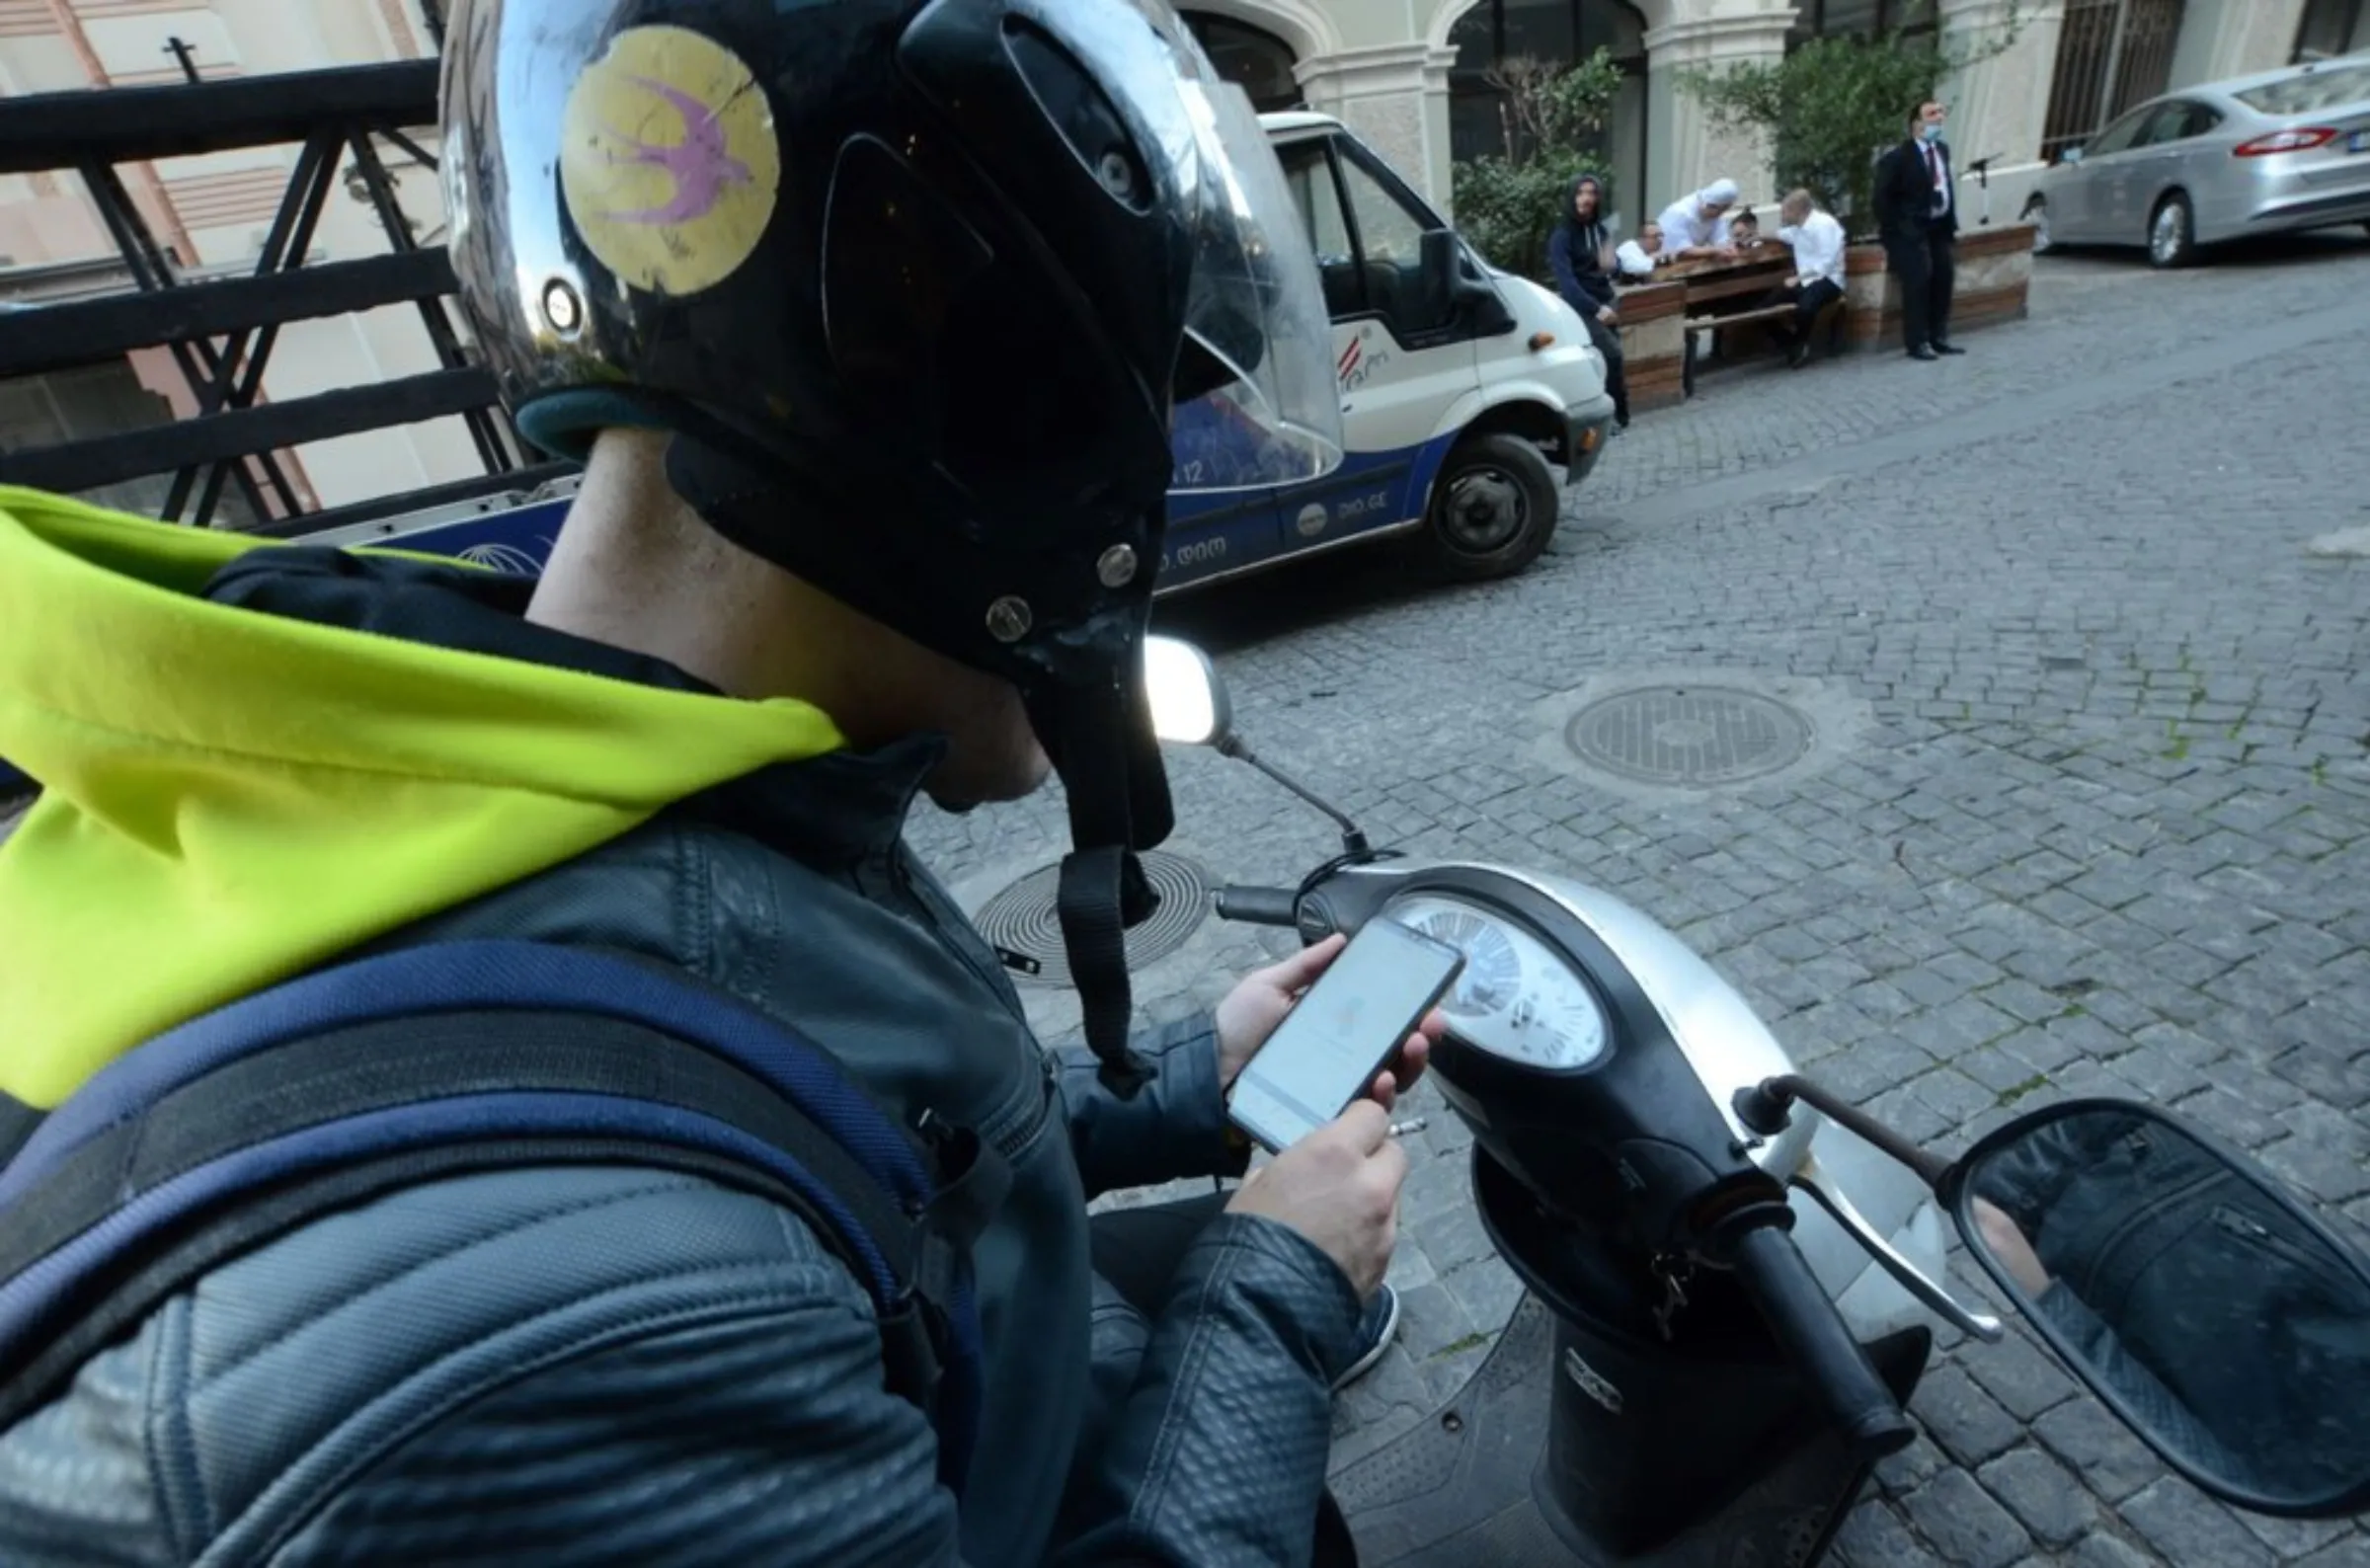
x: 1710, y: 283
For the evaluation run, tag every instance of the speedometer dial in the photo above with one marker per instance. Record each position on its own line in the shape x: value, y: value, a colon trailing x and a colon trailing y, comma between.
x: 1516, y: 999
x: 1493, y: 974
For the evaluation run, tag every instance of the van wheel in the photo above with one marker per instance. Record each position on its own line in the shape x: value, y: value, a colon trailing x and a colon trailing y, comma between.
x: 1493, y: 509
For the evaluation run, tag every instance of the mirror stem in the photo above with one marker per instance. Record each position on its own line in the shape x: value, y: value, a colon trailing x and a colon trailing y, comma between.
x: 1762, y: 1109
x: 1351, y: 839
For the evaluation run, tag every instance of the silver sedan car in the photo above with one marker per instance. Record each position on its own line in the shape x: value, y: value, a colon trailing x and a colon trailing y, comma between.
x: 2266, y: 154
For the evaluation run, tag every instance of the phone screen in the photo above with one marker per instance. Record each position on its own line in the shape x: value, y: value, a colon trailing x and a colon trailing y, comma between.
x: 1338, y: 1036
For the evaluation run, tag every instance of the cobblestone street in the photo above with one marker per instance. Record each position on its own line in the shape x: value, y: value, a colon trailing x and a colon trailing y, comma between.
x: 2087, y: 809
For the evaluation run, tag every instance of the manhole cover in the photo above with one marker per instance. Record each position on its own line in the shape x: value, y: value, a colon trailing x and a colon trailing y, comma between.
x: 1022, y: 920
x: 1689, y: 735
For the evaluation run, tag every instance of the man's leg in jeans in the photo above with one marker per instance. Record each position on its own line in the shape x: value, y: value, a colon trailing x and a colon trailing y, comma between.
x: 1136, y: 1251
x: 1617, y: 376
x: 1942, y: 263
x: 1811, y: 298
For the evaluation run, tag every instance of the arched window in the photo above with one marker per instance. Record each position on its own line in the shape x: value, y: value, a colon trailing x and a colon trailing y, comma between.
x: 1556, y: 32
x: 1252, y: 58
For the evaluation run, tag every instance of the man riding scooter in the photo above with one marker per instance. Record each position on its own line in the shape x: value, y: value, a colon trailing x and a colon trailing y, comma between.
x: 867, y: 319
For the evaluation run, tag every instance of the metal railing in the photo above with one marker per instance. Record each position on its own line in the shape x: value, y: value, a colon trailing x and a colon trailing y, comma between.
x: 2112, y: 54
x: 222, y: 330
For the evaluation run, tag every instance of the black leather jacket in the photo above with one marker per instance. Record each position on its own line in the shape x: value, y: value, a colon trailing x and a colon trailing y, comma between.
x: 594, y: 1364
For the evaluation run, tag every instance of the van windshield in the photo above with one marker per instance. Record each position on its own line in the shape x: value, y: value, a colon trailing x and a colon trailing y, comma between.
x: 2310, y: 94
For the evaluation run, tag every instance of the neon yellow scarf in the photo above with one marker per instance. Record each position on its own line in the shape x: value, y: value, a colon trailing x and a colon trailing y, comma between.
x: 231, y: 797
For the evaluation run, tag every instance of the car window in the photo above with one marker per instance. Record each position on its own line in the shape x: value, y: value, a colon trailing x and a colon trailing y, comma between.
x: 2178, y: 121
x: 2203, y: 117
x: 2181, y: 122
x: 2329, y: 87
x: 2120, y: 135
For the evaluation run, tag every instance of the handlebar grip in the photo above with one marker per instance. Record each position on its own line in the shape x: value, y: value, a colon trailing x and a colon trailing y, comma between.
x: 1812, y: 1334
x: 1259, y: 906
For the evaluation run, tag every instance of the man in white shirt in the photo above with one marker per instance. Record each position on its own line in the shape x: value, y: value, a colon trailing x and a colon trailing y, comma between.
x: 1698, y: 225
x: 1817, y: 240
x: 1636, y: 259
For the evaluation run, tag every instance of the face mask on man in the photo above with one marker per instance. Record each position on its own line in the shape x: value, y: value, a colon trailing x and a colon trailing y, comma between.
x: 1931, y: 131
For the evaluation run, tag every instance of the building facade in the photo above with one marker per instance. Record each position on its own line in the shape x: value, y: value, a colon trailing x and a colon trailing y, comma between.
x: 1411, y: 76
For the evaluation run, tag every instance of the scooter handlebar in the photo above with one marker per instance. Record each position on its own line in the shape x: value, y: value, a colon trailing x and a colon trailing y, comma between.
x: 1812, y: 1334
x: 1259, y: 906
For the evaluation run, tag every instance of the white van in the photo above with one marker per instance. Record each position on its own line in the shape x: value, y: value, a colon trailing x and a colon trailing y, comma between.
x: 1461, y: 386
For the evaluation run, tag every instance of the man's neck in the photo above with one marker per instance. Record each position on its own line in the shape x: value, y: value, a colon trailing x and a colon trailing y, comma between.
x: 635, y: 568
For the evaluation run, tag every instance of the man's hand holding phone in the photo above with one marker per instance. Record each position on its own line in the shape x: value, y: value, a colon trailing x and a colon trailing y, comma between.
x: 1329, y: 1047
x: 1252, y: 1009
x: 1338, y: 1187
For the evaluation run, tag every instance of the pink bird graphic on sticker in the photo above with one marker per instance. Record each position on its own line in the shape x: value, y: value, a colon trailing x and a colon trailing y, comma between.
x: 701, y: 166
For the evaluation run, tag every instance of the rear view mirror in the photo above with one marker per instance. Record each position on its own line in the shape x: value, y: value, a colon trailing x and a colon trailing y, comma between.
x: 2203, y: 1305
x: 1442, y: 273
x: 1188, y: 701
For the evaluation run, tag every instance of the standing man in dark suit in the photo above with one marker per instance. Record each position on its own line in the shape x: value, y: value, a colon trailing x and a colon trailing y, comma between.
x: 1918, y: 219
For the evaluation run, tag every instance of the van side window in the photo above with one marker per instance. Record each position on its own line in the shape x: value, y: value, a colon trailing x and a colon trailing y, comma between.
x: 1391, y: 243
x: 1369, y: 241
x: 1308, y: 170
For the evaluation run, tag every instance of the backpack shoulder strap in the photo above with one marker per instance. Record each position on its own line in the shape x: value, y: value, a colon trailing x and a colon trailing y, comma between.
x: 434, y: 1060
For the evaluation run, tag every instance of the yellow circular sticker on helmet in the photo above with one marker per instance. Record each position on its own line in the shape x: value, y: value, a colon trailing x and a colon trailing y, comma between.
x: 668, y: 160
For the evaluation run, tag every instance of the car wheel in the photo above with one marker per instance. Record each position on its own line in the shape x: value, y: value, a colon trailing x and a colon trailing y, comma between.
x: 2172, y: 232
x: 1493, y: 509
x: 2037, y: 213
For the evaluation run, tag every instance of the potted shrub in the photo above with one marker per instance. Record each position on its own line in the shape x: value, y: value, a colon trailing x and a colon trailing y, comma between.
x: 1828, y: 111
x: 1551, y: 118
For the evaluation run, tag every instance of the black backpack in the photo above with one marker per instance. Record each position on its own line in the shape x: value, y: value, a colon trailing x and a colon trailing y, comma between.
x: 434, y: 1060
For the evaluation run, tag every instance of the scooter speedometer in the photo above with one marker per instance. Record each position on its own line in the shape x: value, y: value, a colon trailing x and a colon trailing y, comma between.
x: 1516, y: 1000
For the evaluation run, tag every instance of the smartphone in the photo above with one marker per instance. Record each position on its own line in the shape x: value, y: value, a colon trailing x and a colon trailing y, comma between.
x: 1342, y: 1031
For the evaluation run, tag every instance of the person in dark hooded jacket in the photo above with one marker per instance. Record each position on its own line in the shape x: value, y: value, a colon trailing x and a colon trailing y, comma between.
x: 1581, y: 254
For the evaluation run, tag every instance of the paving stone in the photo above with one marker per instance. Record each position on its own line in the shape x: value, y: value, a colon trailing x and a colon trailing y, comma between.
x: 2111, y: 1462
x: 1968, y: 1423
x: 2020, y: 1375
x: 1874, y: 1536
x: 1966, y: 1526
x: 2048, y: 1499
x: 2102, y: 1550
x: 1431, y: 1319
x: 2193, y: 1531
x: 1488, y: 1292
x: 2291, y: 1538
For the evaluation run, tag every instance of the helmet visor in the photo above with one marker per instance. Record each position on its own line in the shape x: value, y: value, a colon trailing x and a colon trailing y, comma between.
x: 1258, y: 402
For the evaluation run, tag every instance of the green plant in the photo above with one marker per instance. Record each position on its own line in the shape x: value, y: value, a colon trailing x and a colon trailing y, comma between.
x: 1833, y: 105
x: 1553, y: 121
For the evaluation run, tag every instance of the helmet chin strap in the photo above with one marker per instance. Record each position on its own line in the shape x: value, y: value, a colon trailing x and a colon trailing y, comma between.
x: 1101, y: 741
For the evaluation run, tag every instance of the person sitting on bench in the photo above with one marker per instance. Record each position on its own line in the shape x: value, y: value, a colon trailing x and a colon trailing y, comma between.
x: 1636, y: 259
x: 1818, y: 245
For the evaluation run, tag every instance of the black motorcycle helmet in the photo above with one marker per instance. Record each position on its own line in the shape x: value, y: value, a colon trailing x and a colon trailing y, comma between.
x: 916, y: 286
